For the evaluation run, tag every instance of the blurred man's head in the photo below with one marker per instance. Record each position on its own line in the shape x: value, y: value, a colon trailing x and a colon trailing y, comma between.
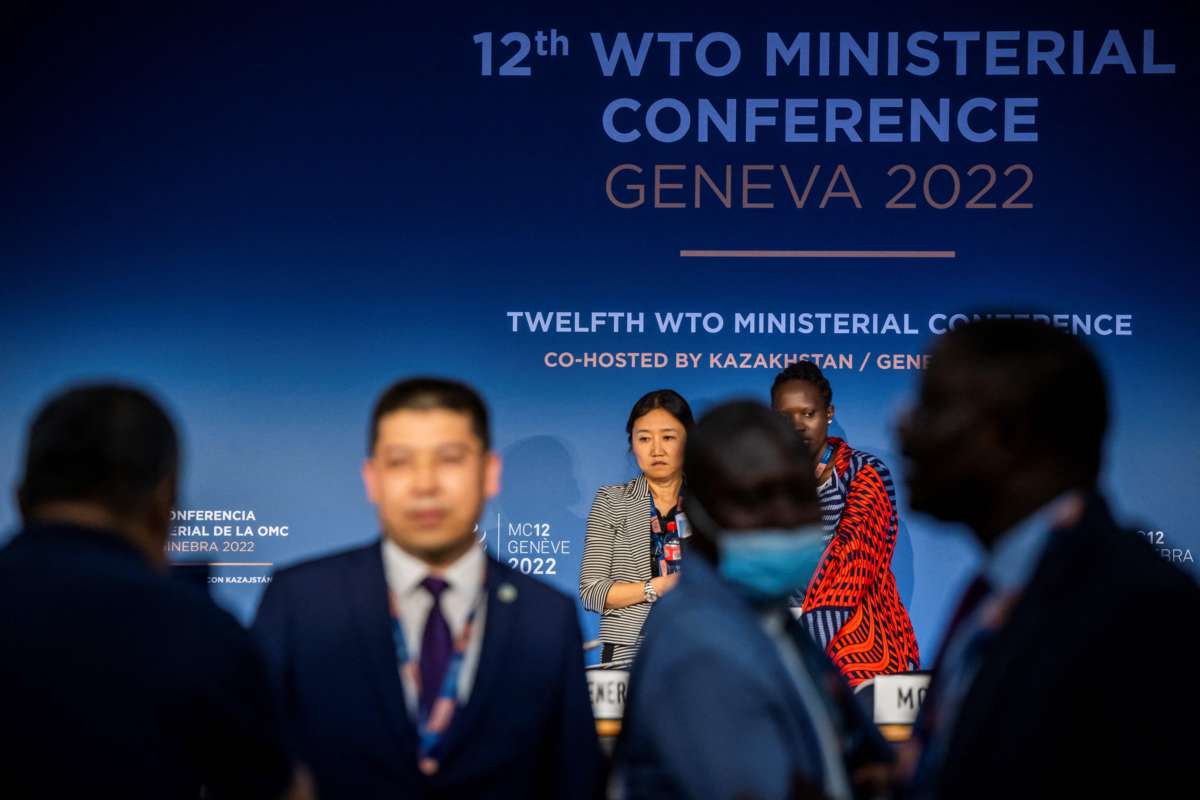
x: 105, y: 456
x: 429, y: 467
x: 1010, y: 414
x: 752, y: 497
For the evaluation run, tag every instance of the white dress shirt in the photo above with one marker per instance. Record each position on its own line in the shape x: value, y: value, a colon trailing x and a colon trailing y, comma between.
x: 404, y: 573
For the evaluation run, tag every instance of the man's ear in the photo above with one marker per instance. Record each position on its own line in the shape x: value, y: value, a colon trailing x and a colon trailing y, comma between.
x: 19, y: 497
x: 492, y: 469
x: 370, y: 477
x: 156, y: 517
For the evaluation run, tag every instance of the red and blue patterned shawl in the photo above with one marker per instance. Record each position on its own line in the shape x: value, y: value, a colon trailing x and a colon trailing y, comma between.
x: 852, y: 607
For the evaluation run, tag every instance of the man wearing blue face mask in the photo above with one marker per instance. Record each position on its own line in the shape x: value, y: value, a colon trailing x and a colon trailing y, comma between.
x: 729, y: 697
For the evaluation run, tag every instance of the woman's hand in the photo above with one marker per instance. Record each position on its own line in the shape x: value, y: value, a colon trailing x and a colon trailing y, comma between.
x: 664, y: 583
x: 630, y: 593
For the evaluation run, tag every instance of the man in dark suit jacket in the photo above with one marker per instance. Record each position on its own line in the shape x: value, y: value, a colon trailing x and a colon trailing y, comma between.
x: 729, y: 697
x: 416, y: 666
x: 1065, y: 670
x: 118, y: 681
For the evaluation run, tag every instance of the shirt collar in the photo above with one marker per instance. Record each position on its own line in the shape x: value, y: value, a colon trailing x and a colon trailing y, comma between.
x: 405, y: 571
x: 1017, y: 552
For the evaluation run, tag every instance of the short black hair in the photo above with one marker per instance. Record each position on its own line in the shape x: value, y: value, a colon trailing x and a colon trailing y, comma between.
x: 1040, y: 380
x: 739, y: 438
x: 805, y: 371
x: 668, y: 400
x: 741, y: 442
x: 109, y: 444
x: 427, y: 394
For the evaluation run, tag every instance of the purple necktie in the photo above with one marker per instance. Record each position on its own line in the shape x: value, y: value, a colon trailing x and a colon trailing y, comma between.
x: 978, y: 589
x: 928, y: 719
x: 436, y: 647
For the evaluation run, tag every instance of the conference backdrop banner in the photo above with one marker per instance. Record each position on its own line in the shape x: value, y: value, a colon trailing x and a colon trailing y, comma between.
x: 267, y: 216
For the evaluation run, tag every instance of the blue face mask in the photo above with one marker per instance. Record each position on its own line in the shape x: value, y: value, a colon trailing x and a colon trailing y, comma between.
x: 768, y: 565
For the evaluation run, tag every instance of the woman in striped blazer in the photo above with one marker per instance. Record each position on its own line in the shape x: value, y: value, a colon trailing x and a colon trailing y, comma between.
x: 851, y: 606
x: 628, y: 556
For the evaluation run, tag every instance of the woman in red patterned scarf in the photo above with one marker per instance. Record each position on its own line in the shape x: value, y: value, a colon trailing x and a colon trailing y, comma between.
x: 851, y: 606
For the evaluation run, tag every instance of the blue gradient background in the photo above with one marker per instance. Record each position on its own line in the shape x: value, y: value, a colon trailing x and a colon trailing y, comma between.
x: 269, y: 215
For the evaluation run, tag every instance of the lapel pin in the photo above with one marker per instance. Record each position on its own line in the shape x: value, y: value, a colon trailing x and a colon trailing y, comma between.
x: 506, y: 593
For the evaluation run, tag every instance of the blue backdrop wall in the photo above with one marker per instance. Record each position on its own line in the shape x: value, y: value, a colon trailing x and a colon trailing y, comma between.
x: 267, y: 215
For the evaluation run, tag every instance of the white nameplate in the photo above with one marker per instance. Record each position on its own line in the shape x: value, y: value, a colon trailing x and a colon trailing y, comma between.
x: 607, y: 689
x: 898, y: 698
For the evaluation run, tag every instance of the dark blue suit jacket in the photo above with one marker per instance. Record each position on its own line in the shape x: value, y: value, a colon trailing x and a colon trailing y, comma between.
x: 1085, y: 692
x: 714, y: 713
x: 525, y: 732
x: 120, y: 682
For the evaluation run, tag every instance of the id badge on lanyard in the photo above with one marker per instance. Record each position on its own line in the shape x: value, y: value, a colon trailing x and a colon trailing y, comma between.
x: 671, y: 539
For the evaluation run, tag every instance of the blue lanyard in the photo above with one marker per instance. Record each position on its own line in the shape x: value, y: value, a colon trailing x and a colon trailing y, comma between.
x: 432, y: 727
x: 656, y: 526
x: 828, y: 454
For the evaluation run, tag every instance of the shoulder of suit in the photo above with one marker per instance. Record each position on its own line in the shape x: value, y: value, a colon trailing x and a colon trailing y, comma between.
x: 621, y: 492
x: 1115, y: 573
x: 524, y: 582
x: 696, y: 628
x: 530, y: 588
x: 1133, y: 565
x: 696, y: 611
x: 327, y: 564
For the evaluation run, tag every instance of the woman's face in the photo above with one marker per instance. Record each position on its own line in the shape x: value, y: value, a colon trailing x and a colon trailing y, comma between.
x: 658, y: 440
x: 801, y: 404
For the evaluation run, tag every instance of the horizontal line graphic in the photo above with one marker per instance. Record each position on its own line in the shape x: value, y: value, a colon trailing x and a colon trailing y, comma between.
x: 818, y: 254
x: 222, y: 563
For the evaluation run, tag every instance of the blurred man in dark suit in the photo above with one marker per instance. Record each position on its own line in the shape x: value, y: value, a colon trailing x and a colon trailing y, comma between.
x: 118, y: 681
x: 1065, y: 670
x: 415, y: 665
x: 730, y: 697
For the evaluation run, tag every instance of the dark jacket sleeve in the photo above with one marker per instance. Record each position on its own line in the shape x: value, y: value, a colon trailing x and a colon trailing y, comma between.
x: 255, y: 758
x: 700, y: 727
x: 576, y: 750
x: 272, y: 630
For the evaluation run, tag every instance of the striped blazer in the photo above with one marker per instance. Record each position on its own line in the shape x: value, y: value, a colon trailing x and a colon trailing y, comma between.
x: 852, y: 607
x: 617, y: 548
